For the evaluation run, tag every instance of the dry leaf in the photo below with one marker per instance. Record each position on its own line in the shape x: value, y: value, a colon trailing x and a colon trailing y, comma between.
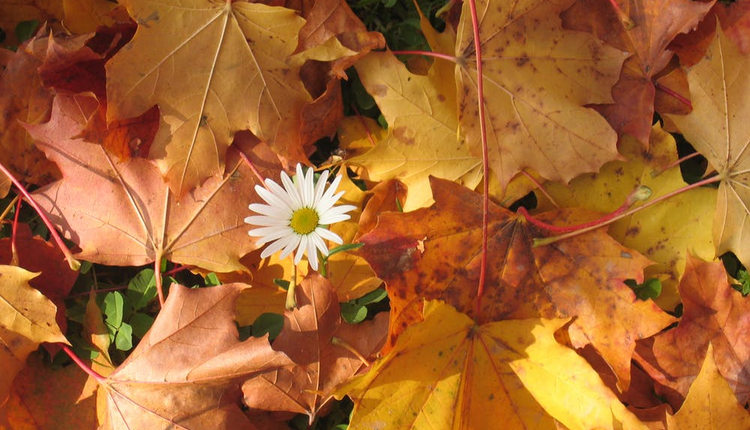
x: 434, y: 253
x: 710, y: 403
x: 187, y: 370
x: 537, y: 78
x: 27, y: 318
x: 719, y: 130
x: 320, y: 365
x: 213, y: 69
x: 448, y: 372
x: 129, y: 217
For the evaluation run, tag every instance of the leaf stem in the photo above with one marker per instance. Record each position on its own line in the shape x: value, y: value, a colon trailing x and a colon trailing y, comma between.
x: 485, y: 158
x: 13, y: 250
x: 450, y: 58
x: 624, y: 18
x: 540, y: 188
x: 344, y: 344
x: 260, y: 177
x: 9, y: 208
x: 639, y: 194
x: 364, y: 125
x: 676, y: 163
x: 72, y: 262
x: 673, y: 93
x: 553, y: 239
x: 99, y: 378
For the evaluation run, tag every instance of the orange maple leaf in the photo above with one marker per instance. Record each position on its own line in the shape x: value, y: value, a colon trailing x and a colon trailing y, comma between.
x: 433, y: 253
x: 120, y: 212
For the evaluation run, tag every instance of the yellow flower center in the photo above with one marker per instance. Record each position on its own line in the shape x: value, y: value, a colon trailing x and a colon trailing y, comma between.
x: 304, y: 221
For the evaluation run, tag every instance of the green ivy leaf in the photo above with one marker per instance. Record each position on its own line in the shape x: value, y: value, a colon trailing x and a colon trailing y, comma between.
x: 142, y: 288
x: 124, y: 337
x: 650, y: 289
x: 141, y: 324
x: 268, y: 323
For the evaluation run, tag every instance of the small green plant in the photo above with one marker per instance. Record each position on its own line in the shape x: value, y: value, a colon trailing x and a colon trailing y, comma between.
x: 649, y: 289
x: 744, y: 286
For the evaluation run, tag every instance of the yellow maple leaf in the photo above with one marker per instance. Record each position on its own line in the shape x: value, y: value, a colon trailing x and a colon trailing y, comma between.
x: 448, y: 373
x: 422, y: 139
x: 652, y: 231
x: 710, y: 403
x: 718, y: 128
x: 537, y: 79
x: 213, y: 68
x: 27, y: 318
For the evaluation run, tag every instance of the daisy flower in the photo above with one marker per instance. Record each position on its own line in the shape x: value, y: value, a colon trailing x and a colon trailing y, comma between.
x: 297, y: 216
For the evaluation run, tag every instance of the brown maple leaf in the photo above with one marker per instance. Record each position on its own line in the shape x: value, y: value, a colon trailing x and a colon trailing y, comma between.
x: 713, y: 312
x: 122, y: 213
x: 187, y: 370
x: 434, y: 253
x: 643, y: 28
x: 321, y: 365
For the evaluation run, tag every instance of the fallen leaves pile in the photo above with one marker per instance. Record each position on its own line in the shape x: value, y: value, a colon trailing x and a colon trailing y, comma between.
x: 143, y: 127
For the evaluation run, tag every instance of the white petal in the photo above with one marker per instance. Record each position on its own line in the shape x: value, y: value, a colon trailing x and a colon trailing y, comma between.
x: 312, y: 254
x: 301, y: 249
x: 273, y: 248
x: 291, y: 191
x: 265, y: 221
x: 319, y: 243
x: 320, y: 187
x: 268, y: 234
x: 292, y: 242
x: 305, y: 185
x: 271, y: 211
x: 272, y: 198
x: 329, y: 235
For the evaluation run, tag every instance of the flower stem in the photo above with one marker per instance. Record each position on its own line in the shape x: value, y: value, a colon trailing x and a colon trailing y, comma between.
x: 485, y: 158
x: 72, y: 262
x: 99, y: 378
x: 548, y: 240
x: 291, y: 299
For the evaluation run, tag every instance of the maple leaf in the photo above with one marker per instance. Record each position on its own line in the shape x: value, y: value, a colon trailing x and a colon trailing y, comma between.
x: 85, y: 16
x: 129, y: 216
x: 643, y: 28
x: 187, y: 370
x: 537, y: 78
x: 734, y: 19
x: 333, y: 21
x: 52, y: 398
x: 55, y: 279
x: 27, y: 318
x: 422, y: 128
x: 24, y: 100
x: 713, y: 312
x: 13, y: 12
x: 717, y: 128
x: 213, y: 69
x: 320, y: 364
x: 665, y: 232
x: 433, y: 253
x: 503, y: 367
x: 710, y: 403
